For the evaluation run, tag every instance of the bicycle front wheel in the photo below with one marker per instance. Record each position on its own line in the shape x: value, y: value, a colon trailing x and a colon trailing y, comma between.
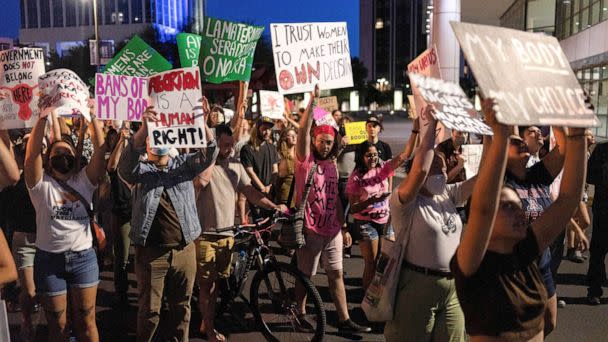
x: 274, y: 304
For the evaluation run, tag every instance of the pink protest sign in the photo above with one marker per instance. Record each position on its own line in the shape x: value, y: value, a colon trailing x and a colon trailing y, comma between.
x: 120, y: 97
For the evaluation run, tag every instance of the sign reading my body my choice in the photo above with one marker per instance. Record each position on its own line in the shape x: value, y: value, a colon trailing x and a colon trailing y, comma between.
x: 226, y: 51
x: 175, y: 94
x: 307, y: 54
x: 137, y: 59
x: 19, y: 72
x: 528, y: 75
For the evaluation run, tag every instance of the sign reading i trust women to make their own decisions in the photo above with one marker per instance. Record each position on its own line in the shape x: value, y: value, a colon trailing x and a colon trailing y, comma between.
x: 452, y: 107
x: 63, y: 91
x: 19, y: 72
x: 175, y: 95
x: 120, y: 97
x: 306, y: 54
x: 528, y: 75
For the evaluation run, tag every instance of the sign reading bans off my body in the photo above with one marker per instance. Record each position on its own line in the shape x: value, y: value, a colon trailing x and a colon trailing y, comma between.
x: 452, y: 107
x: 306, y: 54
x: 528, y: 75
x: 175, y: 95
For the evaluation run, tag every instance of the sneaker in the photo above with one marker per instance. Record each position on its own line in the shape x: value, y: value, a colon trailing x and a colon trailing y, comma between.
x: 574, y: 256
x: 349, y: 326
x: 593, y: 300
x: 561, y: 303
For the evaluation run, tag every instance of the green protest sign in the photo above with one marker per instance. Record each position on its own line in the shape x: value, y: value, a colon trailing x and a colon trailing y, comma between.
x: 227, y: 50
x: 188, y: 46
x: 137, y: 59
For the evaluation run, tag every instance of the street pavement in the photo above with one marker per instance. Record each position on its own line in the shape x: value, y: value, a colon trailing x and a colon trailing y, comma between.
x: 576, y: 322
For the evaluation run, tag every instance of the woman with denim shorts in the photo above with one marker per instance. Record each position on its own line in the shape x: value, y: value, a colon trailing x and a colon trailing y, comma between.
x: 65, y: 262
x: 367, y: 190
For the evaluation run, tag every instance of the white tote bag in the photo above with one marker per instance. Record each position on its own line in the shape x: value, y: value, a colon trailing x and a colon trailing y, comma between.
x: 379, y: 301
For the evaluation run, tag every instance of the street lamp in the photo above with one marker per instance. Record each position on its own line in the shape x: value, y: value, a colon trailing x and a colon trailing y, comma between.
x: 96, y: 47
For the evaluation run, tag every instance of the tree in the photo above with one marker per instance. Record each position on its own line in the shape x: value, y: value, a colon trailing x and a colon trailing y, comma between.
x: 76, y: 59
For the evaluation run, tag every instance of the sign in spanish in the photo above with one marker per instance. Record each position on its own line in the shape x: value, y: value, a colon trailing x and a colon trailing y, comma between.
x: 528, y: 75
x: 175, y: 94
x: 19, y: 72
x: 188, y: 47
x: 227, y: 48
x: 137, y: 58
x: 307, y: 54
x: 63, y: 91
x: 271, y: 104
x: 120, y: 97
x: 452, y: 107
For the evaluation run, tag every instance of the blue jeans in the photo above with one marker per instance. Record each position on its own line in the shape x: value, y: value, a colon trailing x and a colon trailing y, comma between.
x: 55, y: 272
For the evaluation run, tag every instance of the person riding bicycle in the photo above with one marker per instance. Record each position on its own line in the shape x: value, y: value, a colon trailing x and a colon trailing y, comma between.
x: 217, y: 189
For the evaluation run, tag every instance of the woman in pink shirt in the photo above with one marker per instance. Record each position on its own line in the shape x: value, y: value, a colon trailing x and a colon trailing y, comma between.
x: 368, y: 190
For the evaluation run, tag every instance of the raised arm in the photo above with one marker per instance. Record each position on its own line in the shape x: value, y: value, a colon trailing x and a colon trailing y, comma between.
x: 129, y: 160
x: 241, y: 108
x: 97, y: 167
x: 554, y: 161
x: 32, y: 167
x: 411, y: 142
x: 117, y: 152
x: 553, y: 221
x: 9, y: 172
x: 411, y: 185
x: 484, y: 204
x: 303, y: 144
x: 287, y: 115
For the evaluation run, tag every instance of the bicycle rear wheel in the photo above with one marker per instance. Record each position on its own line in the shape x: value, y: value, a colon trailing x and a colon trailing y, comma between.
x: 275, y: 309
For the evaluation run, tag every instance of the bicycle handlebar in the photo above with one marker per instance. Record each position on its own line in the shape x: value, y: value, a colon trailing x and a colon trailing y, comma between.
x: 238, y: 227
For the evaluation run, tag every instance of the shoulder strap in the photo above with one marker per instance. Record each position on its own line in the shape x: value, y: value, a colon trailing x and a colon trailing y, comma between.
x: 88, y: 206
x: 309, y: 180
x: 292, y: 186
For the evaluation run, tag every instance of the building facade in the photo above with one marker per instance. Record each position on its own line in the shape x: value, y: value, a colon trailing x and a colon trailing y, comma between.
x: 582, y: 29
x: 391, y: 34
x: 59, y: 25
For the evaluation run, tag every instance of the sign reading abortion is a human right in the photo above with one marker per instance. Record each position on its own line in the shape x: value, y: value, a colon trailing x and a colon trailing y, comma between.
x: 528, y: 75
x: 307, y: 54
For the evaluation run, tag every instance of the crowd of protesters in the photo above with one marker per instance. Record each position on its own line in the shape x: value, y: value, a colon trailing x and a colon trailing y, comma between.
x: 492, y: 281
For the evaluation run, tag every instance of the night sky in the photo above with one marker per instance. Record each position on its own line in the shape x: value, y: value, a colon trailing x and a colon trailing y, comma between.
x: 259, y: 12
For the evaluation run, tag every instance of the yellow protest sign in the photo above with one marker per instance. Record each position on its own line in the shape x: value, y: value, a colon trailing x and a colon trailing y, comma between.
x: 355, y: 131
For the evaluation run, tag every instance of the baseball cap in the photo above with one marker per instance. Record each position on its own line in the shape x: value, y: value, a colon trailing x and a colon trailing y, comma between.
x: 374, y: 119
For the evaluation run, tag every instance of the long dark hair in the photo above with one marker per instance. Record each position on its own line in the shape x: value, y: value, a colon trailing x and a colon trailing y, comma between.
x: 360, y: 152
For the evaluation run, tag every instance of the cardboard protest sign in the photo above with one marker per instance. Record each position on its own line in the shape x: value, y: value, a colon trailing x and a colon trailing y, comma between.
x: 307, y: 54
x: 426, y: 64
x: 452, y: 107
x: 355, y: 131
x: 472, y: 158
x: 63, y: 91
x: 271, y: 104
x: 528, y: 75
x: 19, y: 72
x: 120, y: 97
x: 137, y: 58
x: 227, y: 49
x: 329, y: 103
x: 175, y: 95
x: 188, y: 47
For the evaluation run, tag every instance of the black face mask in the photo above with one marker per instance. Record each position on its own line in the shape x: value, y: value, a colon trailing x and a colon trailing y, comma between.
x: 62, y: 163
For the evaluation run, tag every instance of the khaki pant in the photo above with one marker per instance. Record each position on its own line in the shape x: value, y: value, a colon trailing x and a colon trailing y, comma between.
x: 426, y: 309
x: 156, y: 268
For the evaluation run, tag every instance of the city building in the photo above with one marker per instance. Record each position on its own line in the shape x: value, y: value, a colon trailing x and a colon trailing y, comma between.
x: 391, y: 34
x: 61, y: 24
x: 6, y: 43
x: 582, y: 29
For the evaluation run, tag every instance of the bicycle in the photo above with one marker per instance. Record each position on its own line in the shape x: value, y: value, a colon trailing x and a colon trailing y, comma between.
x: 272, y: 291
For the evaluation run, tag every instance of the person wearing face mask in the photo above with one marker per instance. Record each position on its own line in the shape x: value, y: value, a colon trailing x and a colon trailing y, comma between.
x: 323, y: 214
x: 452, y: 150
x: 367, y: 190
x: 164, y: 225
x: 217, y: 190
x: 65, y: 262
x: 424, y: 208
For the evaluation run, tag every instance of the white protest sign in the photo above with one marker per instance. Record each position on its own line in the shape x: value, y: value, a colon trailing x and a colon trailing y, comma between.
x: 426, y: 64
x: 64, y: 91
x: 472, y: 158
x: 452, y: 107
x: 120, y: 97
x: 528, y: 75
x: 271, y: 104
x: 19, y: 72
x: 175, y: 95
x: 306, y: 54
x: 329, y: 120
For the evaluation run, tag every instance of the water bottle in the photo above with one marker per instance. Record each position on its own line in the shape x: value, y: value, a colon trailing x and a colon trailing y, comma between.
x: 241, y: 262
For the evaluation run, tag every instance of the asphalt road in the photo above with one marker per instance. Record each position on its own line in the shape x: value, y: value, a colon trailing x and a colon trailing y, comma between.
x: 576, y: 322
